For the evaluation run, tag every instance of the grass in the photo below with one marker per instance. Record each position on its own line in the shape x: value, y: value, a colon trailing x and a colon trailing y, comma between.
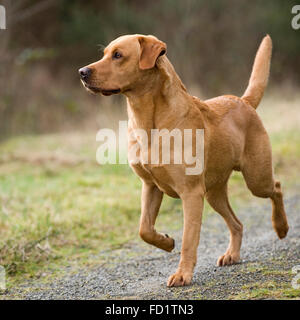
x: 53, y: 212
x: 275, y: 281
x: 58, y: 207
x: 268, y: 290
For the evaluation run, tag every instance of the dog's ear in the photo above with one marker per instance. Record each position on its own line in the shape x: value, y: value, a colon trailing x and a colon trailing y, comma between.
x: 151, y: 49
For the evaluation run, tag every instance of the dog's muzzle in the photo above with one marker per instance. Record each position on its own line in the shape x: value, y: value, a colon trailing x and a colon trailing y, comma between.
x: 85, y: 73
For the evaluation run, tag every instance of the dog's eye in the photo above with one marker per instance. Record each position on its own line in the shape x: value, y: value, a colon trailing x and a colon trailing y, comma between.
x: 117, y: 55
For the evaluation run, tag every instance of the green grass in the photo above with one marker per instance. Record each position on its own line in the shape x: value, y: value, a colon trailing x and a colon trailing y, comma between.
x: 267, y: 290
x: 275, y: 282
x: 59, y: 207
x: 53, y: 214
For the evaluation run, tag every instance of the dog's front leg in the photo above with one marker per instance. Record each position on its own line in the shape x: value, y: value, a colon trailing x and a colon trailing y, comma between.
x: 151, y: 200
x: 192, y: 209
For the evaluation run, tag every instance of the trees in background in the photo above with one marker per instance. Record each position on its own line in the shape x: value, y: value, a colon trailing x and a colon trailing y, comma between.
x: 211, y: 43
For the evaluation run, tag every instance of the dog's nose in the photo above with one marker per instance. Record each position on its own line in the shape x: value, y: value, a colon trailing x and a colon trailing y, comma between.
x: 84, y: 73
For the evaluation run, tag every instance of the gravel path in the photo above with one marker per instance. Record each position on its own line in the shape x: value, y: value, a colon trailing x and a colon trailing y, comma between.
x: 140, y: 271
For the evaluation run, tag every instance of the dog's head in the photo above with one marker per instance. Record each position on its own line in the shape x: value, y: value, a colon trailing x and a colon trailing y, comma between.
x: 126, y: 64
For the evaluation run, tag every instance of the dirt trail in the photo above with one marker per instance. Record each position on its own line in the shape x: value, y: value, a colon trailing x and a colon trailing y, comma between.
x: 140, y: 271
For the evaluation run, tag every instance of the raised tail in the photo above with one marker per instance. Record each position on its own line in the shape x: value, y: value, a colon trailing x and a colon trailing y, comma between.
x: 260, y: 73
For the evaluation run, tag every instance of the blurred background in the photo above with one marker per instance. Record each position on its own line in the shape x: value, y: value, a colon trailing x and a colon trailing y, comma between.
x: 46, y: 41
x: 57, y: 205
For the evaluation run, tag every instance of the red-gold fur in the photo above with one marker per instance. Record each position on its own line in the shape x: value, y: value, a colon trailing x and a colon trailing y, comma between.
x: 235, y: 139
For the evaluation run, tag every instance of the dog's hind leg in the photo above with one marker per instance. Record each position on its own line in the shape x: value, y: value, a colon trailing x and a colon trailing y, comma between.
x: 218, y: 199
x: 258, y: 173
x: 279, y: 220
x: 151, y: 201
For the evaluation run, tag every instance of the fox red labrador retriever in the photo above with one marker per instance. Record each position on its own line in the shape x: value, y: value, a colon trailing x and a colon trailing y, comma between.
x: 234, y: 139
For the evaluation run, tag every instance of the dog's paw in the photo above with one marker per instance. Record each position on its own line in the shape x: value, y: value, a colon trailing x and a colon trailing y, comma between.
x: 169, y: 243
x: 179, y: 279
x: 228, y: 259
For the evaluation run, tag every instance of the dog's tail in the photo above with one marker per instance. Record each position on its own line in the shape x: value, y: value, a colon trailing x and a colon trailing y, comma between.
x: 260, y: 73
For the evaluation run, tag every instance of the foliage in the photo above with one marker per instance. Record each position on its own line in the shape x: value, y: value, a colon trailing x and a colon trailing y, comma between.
x: 211, y: 44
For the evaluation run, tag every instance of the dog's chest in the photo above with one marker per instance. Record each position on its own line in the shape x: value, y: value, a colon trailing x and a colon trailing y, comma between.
x: 158, y: 174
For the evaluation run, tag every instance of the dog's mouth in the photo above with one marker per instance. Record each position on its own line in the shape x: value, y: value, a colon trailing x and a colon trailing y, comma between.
x: 110, y: 92
x: 105, y: 92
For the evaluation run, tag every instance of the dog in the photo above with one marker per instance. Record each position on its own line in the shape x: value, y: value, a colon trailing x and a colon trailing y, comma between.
x: 234, y: 139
